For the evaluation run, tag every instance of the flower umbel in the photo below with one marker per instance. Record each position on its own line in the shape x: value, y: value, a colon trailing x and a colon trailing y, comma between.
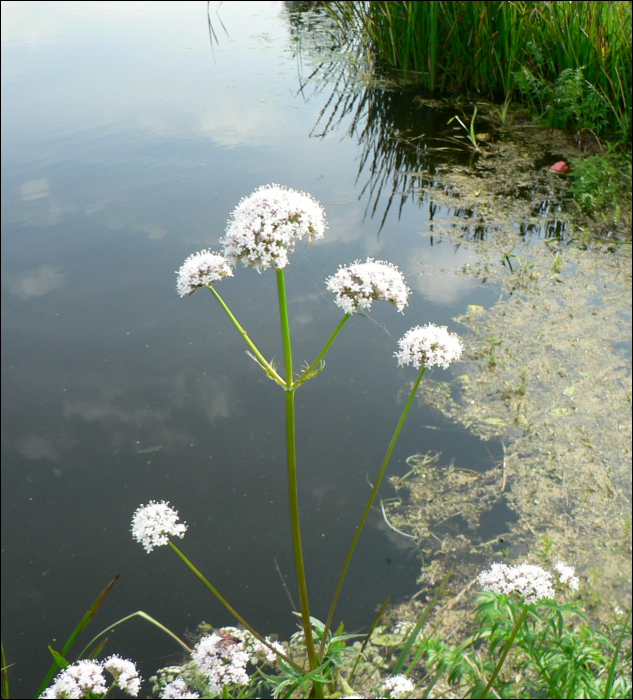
x: 529, y: 581
x: 178, y: 690
x: 357, y: 285
x: 86, y: 679
x: 429, y: 345
x: 567, y: 575
x: 264, y: 227
x: 398, y: 686
x: 79, y: 680
x: 125, y: 674
x: 201, y: 270
x: 155, y: 523
x: 222, y: 660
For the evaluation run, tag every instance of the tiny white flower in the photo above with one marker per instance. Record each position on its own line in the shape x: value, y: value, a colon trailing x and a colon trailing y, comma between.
x: 398, y: 686
x: 270, y: 656
x: 357, y: 285
x: 80, y: 680
x: 429, y: 345
x: 265, y: 226
x: 529, y: 581
x: 222, y: 660
x: 178, y: 690
x: 201, y: 270
x: 567, y: 575
x: 125, y: 674
x: 155, y: 523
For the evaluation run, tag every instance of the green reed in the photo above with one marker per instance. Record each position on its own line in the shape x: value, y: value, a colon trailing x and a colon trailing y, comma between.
x: 478, y: 47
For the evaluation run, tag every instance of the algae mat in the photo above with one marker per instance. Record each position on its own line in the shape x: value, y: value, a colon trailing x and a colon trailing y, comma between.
x: 547, y: 372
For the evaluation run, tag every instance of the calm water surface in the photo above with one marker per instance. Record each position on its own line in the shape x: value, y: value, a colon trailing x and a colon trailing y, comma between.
x: 127, y: 141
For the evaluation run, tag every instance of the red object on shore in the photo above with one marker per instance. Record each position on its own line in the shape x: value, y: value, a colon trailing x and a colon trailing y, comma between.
x: 560, y: 167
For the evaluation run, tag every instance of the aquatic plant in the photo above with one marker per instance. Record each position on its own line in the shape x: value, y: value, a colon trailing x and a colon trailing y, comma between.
x: 485, y: 48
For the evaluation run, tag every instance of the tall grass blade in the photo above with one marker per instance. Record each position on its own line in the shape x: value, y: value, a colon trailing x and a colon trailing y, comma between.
x: 614, y: 660
x: 144, y: 616
x: 374, y: 624
x: 77, y: 631
x: 406, y: 649
x: 5, y: 672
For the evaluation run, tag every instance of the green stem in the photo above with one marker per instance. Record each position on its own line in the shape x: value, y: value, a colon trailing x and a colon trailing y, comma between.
x: 293, y: 493
x: 268, y: 368
x: 522, y: 617
x: 228, y: 606
x: 372, y: 496
x: 306, y: 375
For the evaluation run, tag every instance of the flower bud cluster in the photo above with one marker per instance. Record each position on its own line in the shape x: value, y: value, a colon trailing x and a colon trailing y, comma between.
x: 261, y: 231
x: 202, y: 270
x: 528, y: 581
x: 265, y: 226
x: 429, y: 345
x: 155, y: 523
x: 357, y: 285
x: 86, y: 678
x: 223, y: 661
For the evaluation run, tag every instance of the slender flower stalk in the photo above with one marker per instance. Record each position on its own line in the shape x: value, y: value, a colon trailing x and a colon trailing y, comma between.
x: 269, y: 369
x: 422, y: 347
x: 232, y: 610
x: 506, y: 649
x: 308, y: 372
x: 363, y: 517
x: 293, y: 493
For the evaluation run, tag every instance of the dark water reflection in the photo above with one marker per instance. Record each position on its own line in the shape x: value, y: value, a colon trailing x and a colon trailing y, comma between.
x: 126, y: 144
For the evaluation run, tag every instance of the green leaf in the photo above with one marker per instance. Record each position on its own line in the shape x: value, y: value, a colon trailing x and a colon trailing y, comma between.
x: 59, y: 659
x: 76, y: 632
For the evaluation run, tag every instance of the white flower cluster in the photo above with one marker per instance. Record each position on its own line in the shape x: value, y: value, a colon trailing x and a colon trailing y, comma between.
x: 222, y: 660
x: 86, y: 678
x: 125, y: 674
x: 429, y: 345
x: 529, y: 581
x: 567, y: 575
x: 264, y: 227
x: 357, y: 285
x: 201, y: 270
x: 261, y: 650
x: 155, y: 523
x: 178, y: 690
x: 398, y: 686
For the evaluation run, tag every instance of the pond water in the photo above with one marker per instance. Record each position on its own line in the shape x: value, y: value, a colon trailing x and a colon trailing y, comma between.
x: 128, y: 138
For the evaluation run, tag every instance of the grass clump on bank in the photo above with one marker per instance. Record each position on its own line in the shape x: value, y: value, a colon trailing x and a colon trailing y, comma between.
x: 601, y: 185
x: 570, y: 61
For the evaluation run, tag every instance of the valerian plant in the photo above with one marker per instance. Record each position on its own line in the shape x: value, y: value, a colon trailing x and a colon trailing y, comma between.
x: 261, y: 233
x: 240, y: 661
